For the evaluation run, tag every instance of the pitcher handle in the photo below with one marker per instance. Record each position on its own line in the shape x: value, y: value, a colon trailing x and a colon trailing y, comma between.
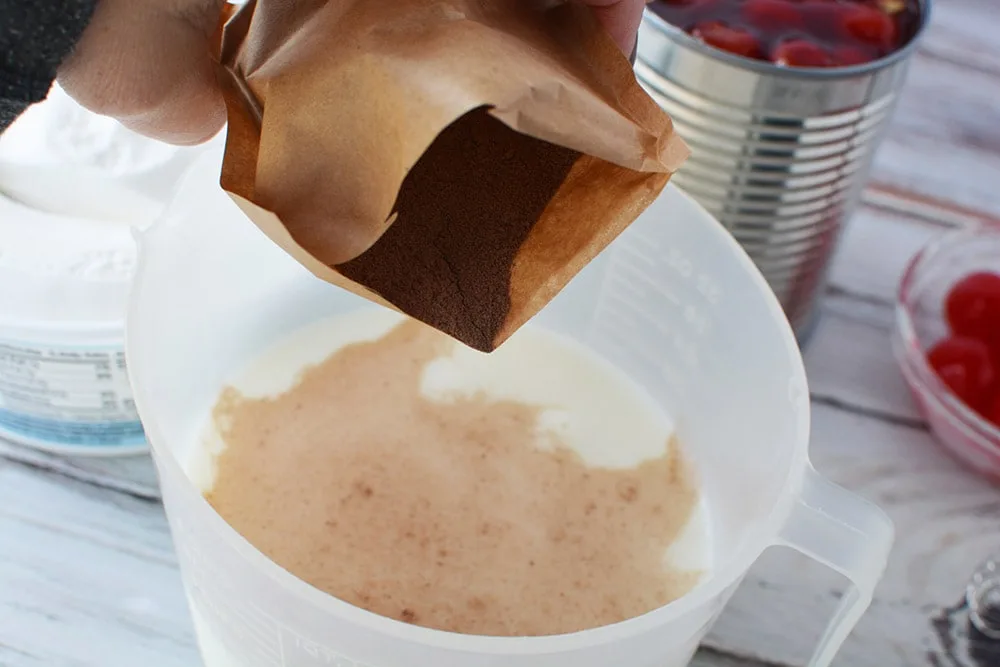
x: 847, y: 534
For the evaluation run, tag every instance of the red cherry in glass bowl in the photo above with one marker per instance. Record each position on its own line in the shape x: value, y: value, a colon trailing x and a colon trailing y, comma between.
x: 947, y: 343
x: 965, y: 366
x: 972, y: 307
x: 798, y: 33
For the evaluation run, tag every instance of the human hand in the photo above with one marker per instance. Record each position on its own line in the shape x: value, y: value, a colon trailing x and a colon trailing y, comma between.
x: 148, y: 64
x: 621, y: 19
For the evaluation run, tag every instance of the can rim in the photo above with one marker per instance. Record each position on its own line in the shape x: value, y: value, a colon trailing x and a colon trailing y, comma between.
x: 766, y: 67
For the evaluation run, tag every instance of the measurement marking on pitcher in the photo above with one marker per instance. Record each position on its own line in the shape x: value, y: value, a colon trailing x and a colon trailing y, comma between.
x: 258, y: 624
x: 234, y: 630
x: 323, y: 653
x: 281, y: 649
x: 618, y: 312
x: 626, y: 354
x: 629, y: 259
x: 632, y: 275
x: 250, y: 633
x: 243, y: 628
x: 703, y: 283
x: 620, y: 308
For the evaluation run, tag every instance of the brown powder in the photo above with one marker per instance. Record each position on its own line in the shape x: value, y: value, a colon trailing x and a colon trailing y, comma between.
x: 444, y: 515
x: 463, y: 212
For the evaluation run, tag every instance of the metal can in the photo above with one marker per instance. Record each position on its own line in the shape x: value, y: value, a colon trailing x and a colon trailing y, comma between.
x: 779, y: 154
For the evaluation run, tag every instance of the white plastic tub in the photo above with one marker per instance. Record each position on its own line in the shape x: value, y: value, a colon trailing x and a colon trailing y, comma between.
x: 74, y: 188
x: 64, y: 283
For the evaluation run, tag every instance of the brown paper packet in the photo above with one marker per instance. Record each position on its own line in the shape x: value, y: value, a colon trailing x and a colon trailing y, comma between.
x: 457, y: 160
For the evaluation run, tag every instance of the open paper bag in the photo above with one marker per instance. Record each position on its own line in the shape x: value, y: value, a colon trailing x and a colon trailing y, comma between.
x: 457, y: 160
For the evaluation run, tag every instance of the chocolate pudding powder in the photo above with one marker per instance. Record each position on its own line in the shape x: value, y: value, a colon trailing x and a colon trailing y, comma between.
x: 480, y: 174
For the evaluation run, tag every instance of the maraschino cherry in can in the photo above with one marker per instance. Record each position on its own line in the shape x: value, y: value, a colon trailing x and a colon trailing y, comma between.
x: 783, y: 103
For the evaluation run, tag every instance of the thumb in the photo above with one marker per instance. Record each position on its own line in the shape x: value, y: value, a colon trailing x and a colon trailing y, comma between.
x: 620, y: 18
x: 148, y: 64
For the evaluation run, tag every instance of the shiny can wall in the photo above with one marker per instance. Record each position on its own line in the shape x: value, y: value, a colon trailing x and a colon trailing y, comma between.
x: 779, y: 155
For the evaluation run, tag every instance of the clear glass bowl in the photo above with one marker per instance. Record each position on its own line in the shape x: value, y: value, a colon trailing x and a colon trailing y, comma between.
x: 920, y: 323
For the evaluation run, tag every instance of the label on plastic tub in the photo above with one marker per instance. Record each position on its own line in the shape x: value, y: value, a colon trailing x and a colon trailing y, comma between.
x: 67, y: 395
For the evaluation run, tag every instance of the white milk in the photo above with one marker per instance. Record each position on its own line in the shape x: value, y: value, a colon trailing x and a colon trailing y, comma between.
x: 586, y: 402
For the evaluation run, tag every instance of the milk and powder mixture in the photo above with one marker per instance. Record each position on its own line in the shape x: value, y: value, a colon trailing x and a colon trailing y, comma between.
x: 532, y: 491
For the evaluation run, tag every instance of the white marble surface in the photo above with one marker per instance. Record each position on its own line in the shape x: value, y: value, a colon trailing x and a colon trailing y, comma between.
x: 88, y: 576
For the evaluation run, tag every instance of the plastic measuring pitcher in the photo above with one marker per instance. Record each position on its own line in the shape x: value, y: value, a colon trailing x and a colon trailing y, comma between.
x: 674, y: 303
